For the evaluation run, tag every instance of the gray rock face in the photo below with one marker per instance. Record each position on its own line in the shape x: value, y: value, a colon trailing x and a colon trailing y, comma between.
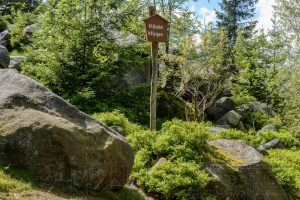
x: 45, y: 134
x: 244, y: 175
x: 5, y: 38
x: 215, y: 113
x: 231, y: 118
x: 269, y: 145
x: 28, y: 31
x: 258, y: 107
x: 226, y: 102
x: 241, y: 126
x: 15, y: 62
x: 221, y: 107
x: 118, y: 129
x: 269, y: 127
x: 4, y: 57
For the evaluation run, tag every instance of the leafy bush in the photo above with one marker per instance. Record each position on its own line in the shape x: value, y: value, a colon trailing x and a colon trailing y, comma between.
x: 134, y: 103
x: 233, y: 134
x: 176, y: 180
x: 3, y: 25
x: 17, y: 34
x: 286, y: 166
x: 116, y: 118
x: 257, y: 120
x: 181, y: 176
x: 176, y: 133
x: 241, y: 96
x: 286, y: 139
x: 183, y: 144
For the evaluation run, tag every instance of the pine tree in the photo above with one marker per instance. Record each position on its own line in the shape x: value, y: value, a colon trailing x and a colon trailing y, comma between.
x: 235, y: 14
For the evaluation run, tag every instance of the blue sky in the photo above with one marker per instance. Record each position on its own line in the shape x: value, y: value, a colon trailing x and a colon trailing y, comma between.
x: 204, y: 10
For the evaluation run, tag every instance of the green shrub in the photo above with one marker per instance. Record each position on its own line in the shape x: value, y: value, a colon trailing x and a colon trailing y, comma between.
x: 241, y: 97
x: 177, y: 135
x: 183, y: 144
x: 3, y: 25
x: 286, y: 166
x: 257, y: 120
x: 116, y: 118
x: 233, y: 134
x: 17, y: 34
x: 286, y: 139
x: 176, y: 180
x: 181, y: 176
x: 134, y: 103
x: 135, y: 134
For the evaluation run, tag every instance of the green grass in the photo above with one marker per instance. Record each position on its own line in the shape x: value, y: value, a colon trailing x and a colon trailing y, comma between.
x: 12, y: 180
x: 19, y: 181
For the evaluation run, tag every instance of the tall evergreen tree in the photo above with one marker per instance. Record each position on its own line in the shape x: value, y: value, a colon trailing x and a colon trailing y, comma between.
x: 235, y: 14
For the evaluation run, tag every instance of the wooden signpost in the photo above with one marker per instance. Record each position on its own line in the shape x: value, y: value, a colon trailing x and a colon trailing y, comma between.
x: 156, y: 31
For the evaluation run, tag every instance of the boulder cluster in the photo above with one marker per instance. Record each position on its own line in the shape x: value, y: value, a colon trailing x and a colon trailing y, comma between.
x: 13, y: 62
x: 226, y: 114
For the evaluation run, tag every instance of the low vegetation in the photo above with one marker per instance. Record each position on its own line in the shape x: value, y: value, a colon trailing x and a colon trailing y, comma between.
x: 182, y: 145
x: 285, y: 163
x: 94, y: 55
x: 16, y: 183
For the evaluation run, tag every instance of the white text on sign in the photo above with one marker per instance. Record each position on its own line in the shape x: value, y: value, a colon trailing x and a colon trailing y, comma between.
x: 156, y: 26
x: 155, y: 34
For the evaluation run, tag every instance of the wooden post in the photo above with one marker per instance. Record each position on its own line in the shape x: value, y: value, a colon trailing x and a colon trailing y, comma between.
x: 156, y: 28
x: 154, y: 77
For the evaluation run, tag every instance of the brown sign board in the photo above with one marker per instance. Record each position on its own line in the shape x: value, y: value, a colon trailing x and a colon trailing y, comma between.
x: 156, y: 28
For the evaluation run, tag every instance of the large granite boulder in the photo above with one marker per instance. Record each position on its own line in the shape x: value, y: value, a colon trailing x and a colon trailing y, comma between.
x: 4, y: 57
x: 5, y: 38
x: 269, y: 127
x: 273, y: 144
x: 28, y: 32
x: 241, y: 174
x: 231, y: 118
x: 43, y: 133
x: 220, y: 108
x: 258, y: 107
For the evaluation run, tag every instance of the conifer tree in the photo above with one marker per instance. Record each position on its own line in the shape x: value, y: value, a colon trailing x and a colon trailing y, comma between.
x: 235, y: 14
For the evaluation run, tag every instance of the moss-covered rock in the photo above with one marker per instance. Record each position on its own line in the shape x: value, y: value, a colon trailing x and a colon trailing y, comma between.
x: 240, y: 173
